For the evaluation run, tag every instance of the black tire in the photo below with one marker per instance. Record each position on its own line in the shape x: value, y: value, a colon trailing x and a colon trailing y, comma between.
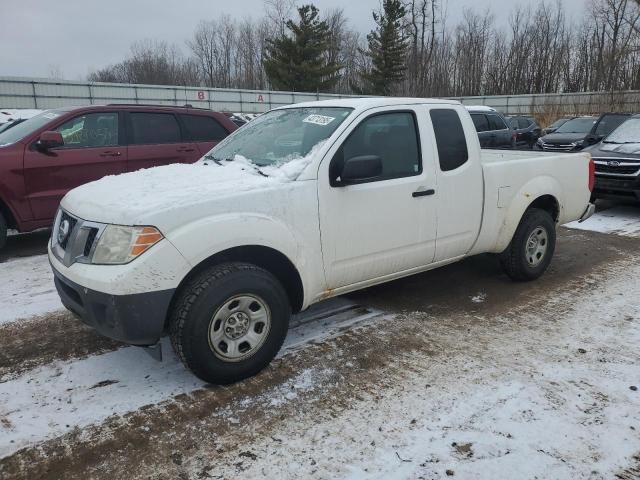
x: 204, y: 297
x: 3, y: 231
x: 520, y: 263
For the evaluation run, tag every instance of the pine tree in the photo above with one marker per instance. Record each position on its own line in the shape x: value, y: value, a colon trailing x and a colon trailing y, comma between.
x: 387, y: 50
x: 297, y: 61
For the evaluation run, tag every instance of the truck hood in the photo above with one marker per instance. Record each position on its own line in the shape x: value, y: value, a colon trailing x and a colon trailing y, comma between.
x: 617, y: 149
x: 163, y: 196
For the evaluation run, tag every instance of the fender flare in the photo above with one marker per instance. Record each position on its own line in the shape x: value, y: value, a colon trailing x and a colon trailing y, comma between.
x: 530, y: 192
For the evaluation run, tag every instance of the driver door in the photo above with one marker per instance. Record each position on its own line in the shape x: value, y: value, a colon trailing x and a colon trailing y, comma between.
x: 383, y: 225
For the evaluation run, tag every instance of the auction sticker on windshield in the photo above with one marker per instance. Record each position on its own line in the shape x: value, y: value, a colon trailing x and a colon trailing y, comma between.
x: 319, y: 119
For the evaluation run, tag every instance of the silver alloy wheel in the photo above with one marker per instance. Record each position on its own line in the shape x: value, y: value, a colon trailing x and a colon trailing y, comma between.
x: 239, y: 327
x: 537, y: 245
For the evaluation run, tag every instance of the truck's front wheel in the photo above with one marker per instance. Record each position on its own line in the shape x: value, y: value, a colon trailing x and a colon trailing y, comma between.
x: 229, y: 322
x: 531, y: 249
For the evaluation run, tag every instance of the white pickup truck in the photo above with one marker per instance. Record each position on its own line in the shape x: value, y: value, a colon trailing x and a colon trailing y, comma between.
x: 304, y: 203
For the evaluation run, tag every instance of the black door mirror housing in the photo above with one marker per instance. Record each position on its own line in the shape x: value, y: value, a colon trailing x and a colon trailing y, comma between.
x: 49, y: 140
x: 361, y: 169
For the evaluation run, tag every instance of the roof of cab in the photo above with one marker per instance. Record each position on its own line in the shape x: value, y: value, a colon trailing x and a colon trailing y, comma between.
x: 365, y: 103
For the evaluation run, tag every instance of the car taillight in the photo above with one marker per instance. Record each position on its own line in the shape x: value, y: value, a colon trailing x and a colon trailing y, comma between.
x: 592, y: 174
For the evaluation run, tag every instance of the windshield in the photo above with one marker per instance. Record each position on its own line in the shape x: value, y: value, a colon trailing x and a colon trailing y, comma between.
x: 628, y: 132
x: 558, y: 123
x: 280, y: 136
x: 577, y: 125
x: 18, y: 132
x: 609, y: 123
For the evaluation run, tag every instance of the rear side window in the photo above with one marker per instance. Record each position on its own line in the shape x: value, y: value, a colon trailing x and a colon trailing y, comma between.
x: 450, y: 138
x: 153, y: 128
x: 480, y: 121
x: 200, y: 128
x: 496, y: 123
x: 524, y: 123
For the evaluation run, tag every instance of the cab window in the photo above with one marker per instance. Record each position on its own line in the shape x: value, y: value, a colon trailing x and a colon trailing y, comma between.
x: 392, y: 136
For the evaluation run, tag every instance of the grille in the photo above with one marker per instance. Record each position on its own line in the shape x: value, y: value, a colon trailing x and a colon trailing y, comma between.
x: 557, y: 148
x: 72, y: 224
x: 621, y: 169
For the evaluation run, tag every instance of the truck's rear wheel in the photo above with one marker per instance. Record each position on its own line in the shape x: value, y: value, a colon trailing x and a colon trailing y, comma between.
x: 229, y: 322
x: 3, y: 231
x: 532, y: 247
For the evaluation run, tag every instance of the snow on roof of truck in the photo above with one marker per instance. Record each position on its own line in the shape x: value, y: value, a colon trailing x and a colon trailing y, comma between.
x: 371, y: 102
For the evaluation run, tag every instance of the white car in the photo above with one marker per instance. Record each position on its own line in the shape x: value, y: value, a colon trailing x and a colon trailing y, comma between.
x: 220, y: 253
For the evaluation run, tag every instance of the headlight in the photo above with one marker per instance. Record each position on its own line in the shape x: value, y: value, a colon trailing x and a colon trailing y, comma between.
x: 540, y: 142
x: 119, y: 245
x: 579, y: 143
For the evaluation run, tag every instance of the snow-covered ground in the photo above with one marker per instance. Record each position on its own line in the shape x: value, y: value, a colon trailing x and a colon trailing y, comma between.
x: 619, y: 220
x: 52, y: 400
x: 26, y: 288
x: 560, y: 404
x: 550, y: 391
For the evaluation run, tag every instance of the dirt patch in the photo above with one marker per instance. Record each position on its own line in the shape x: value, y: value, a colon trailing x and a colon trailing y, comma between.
x: 38, y: 341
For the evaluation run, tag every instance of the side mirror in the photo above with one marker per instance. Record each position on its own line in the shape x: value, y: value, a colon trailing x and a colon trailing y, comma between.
x: 49, y: 140
x: 360, y: 169
x: 592, y: 139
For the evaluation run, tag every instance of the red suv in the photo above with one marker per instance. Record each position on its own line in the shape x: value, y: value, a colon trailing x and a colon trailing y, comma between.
x: 44, y: 157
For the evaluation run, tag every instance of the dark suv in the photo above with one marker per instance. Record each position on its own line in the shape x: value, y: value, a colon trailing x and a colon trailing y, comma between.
x: 493, y: 130
x: 44, y: 157
x: 581, y: 132
x: 617, y: 162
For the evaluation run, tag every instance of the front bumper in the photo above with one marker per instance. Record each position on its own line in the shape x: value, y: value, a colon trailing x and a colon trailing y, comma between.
x: 617, y: 187
x: 137, y: 319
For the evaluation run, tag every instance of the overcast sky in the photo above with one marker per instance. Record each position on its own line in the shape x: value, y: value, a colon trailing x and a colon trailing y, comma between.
x: 78, y: 36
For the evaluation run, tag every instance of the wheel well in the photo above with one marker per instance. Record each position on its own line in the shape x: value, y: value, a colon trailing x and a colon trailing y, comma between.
x: 268, y: 258
x: 8, y: 216
x: 547, y: 203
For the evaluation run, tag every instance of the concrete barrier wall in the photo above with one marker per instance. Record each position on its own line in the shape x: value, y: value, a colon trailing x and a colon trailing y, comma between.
x: 19, y: 92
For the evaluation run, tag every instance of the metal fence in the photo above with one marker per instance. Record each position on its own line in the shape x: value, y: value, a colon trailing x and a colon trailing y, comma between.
x: 18, y: 92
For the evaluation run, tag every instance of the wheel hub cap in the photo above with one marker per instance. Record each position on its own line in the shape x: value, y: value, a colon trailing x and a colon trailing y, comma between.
x: 537, y: 244
x: 239, y: 327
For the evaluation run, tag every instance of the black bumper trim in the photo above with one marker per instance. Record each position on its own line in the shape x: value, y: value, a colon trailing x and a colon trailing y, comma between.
x: 137, y: 319
x: 617, y: 187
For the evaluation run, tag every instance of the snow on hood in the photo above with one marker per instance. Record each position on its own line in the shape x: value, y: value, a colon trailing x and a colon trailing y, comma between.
x: 128, y: 198
x: 627, y: 148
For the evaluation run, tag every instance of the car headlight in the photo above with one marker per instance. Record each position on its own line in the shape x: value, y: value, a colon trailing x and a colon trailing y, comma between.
x: 579, y: 143
x: 540, y: 142
x: 119, y: 245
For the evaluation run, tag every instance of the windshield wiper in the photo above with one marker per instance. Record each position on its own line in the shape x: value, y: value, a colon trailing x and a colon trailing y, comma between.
x: 211, y: 157
x: 219, y: 162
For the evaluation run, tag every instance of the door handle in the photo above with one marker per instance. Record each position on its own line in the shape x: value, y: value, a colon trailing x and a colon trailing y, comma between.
x: 423, y: 193
x: 184, y: 149
x: 110, y: 154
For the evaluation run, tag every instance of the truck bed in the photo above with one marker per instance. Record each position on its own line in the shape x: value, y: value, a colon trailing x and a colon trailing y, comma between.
x: 513, y: 179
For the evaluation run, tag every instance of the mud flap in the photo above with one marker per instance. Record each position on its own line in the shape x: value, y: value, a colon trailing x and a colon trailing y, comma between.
x: 154, y: 350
